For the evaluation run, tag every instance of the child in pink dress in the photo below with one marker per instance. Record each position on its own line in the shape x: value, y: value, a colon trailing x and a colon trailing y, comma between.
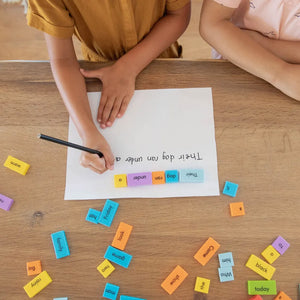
x: 260, y: 36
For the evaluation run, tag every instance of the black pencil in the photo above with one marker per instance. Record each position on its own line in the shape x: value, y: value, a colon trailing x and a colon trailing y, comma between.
x: 68, y: 144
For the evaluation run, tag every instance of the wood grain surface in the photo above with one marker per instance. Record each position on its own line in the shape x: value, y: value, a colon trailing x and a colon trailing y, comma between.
x: 258, y: 147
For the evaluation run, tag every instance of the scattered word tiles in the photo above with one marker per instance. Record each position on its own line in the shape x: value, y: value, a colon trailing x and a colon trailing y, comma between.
x: 159, y: 177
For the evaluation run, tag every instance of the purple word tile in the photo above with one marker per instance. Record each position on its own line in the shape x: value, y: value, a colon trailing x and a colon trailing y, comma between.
x: 280, y: 244
x: 5, y: 202
x: 136, y: 179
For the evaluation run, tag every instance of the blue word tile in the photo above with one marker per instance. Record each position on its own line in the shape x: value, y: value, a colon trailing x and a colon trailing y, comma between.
x: 93, y: 216
x: 191, y: 175
x: 226, y: 259
x: 108, y: 212
x: 62, y: 298
x: 130, y: 298
x: 117, y: 256
x: 111, y: 291
x: 226, y: 274
x: 230, y: 188
x: 60, y: 244
x: 171, y: 176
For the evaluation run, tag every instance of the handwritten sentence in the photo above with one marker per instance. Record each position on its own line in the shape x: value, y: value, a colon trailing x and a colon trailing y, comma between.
x: 170, y: 157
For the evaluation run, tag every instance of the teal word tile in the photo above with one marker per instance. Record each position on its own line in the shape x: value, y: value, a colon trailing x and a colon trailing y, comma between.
x: 108, y: 212
x: 93, y: 216
x: 130, y: 298
x: 111, y: 291
x: 191, y: 175
x: 230, y: 188
x: 226, y: 274
x: 171, y: 176
x: 117, y: 256
x: 226, y: 259
x: 60, y: 244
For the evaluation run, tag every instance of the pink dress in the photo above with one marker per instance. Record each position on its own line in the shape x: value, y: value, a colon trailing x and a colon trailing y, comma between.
x: 276, y: 19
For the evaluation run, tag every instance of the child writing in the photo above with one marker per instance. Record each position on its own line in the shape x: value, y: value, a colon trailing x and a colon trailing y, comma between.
x: 130, y: 32
x: 260, y: 36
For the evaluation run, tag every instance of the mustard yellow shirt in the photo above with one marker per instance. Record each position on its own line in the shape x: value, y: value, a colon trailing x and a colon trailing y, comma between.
x: 107, y: 29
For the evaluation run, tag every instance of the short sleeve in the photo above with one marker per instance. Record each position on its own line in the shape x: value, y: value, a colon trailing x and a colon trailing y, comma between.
x: 176, y: 4
x: 50, y: 16
x: 229, y: 3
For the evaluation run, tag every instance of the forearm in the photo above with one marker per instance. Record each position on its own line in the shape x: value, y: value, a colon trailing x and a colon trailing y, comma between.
x: 72, y: 88
x: 166, y: 31
x: 288, y: 51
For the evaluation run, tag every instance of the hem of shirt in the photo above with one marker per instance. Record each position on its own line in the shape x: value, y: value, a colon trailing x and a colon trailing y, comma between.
x: 177, y: 5
x: 39, y: 23
x: 226, y: 5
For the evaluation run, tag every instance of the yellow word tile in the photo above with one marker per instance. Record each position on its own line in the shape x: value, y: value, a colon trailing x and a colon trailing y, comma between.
x: 158, y: 177
x: 282, y: 296
x: 37, y: 284
x: 206, y: 252
x: 237, y: 209
x: 174, y: 280
x: 105, y: 268
x: 122, y: 235
x: 34, y: 267
x: 270, y: 254
x: 120, y: 180
x: 260, y: 267
x: 202, y: 285
x: 16, y: 165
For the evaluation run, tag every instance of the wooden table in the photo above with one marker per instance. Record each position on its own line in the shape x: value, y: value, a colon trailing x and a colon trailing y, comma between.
x: 258, y: 146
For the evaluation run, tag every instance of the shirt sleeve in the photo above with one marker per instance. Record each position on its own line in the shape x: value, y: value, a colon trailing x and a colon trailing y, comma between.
x: 176, y: 4
x: 229, y: 3
x: 50, y: 16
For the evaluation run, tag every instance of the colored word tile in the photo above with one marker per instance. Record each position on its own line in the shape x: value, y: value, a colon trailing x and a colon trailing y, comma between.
x: 282, y: 296
x: 226, y: 274
x: 260, y: 267
x: 111, y: 291
x: 171, y: 176
x: 34, y: 267
x: 262, y: 287
x: 256, y: 297
x: 122, y: 297
x: 120, y: 180
x: 108, y: 212
x: 93, y: 215
x: 237, y: 209
x: 122, y: 235
x: 226, y: 259
x: 280, y: 244
x: 5, y: 202
x: 206, y: 252
x: 174, y: 280
x: 158, y: 177
x: 37, y: 284
x: 270, y: 254
x: 105, y: 268
x: 136, y: 179
x: 202, y: 285
x: 16, y: 165
x: 191, y: 175
x: 230, y: 188
x: 60, y: 244
x: 61, y: 298
x: 117, y: 256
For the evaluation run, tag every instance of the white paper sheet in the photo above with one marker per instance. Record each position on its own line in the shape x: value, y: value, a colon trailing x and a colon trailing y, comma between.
x: 163, y: 129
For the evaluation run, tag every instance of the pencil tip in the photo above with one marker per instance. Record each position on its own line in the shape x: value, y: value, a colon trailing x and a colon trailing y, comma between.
x: 39, y: 136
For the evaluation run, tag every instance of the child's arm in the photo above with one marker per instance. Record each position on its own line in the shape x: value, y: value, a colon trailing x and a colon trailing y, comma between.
x: 242, y: 50
x: 286, y: 50
x: 119, y: 80
x: 71, y: 85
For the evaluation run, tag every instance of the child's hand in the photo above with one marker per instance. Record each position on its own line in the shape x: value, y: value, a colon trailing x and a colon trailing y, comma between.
x: 117, y: 90
x: 288, y: 81
x: 92, y: 161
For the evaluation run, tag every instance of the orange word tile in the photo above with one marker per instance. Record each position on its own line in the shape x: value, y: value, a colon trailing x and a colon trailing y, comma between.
x: 206, y: 252
x: 34, y: 267
x: 174, y: 280
x: 122, y: 235
x: 158, y: 177
x: 237, y: 209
